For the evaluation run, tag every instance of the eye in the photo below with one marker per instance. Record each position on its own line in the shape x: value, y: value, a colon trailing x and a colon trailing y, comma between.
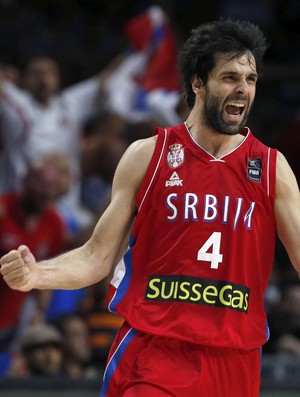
x: 229, y: 77
x: 252, y: 79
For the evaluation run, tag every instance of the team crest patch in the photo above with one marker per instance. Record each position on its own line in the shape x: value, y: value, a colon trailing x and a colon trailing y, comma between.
x: 254, y: 169
x: 175, y: 156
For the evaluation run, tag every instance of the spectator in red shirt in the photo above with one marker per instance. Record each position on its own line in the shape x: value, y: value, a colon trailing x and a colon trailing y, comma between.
x: 30, y: 216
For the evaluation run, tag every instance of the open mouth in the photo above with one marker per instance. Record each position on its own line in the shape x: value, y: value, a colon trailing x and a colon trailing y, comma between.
x: 235, y: 110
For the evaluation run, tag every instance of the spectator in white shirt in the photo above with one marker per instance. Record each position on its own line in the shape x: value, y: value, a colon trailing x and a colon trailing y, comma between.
x: 39, y: 119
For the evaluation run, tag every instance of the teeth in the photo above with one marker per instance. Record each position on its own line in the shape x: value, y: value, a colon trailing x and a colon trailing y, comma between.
x: 239, y: 105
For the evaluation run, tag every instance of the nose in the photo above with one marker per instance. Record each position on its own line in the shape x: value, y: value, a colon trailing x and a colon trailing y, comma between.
x: 242, y: 87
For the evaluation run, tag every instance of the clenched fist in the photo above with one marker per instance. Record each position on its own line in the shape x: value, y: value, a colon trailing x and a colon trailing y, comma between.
x: 19, y: 269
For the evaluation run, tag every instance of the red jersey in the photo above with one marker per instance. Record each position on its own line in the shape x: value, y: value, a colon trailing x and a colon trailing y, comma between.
x: 202, y: 245
x: 46, y: 238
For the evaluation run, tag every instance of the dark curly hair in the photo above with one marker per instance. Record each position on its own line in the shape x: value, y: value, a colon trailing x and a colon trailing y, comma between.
x: 197, y: 56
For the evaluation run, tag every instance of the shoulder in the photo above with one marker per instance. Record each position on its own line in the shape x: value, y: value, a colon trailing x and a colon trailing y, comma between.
x: 283, y: 168
x: 140, y: 152
x: 143, y: 148
x: 286, y: 183
x: 10, y: 90
x: 134, y: 163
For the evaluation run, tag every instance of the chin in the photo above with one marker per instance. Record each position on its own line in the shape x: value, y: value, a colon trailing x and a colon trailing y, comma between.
x: 233, y: 129
x: 229, y: 131
x: 233, y: 132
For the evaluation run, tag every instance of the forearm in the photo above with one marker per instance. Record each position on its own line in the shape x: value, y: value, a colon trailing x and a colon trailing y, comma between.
x: 74, y: 269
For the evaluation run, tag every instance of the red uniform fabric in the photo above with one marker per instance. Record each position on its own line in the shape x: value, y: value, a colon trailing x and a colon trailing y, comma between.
x: 191, y: 284
x: 146, y: 365
x: 45, y: 238
x: 202, y: 245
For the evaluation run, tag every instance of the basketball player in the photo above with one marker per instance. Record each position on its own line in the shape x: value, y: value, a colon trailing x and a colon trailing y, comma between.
x: 201, y: 203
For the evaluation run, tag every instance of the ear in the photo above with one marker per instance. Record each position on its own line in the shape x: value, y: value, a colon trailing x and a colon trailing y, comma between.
x: 197, y: 83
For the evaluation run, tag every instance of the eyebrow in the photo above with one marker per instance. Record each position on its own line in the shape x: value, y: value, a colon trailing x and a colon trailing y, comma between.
x: 251, y: 74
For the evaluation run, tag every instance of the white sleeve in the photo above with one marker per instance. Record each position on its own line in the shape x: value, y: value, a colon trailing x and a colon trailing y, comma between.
x: 12, y: 94
x: 83, y: 97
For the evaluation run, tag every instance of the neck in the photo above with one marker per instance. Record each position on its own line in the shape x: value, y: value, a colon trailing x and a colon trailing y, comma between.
x: 213, y: 142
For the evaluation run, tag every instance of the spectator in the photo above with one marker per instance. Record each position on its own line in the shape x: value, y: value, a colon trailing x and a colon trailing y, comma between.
x: 13, y: 128
x: 29, y: 215
x: 77, y: 348
x: 42, y: 119
x: 284, y: 321
x: 41, y: 352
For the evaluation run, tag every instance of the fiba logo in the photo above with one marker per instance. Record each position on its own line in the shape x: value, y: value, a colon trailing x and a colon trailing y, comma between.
x: 254, y: 169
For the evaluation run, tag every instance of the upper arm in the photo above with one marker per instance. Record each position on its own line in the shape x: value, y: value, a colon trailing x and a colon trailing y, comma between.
x: 111, y: 234
x: 83, y: 94
x: 287, y: 210
x: 13, y: 95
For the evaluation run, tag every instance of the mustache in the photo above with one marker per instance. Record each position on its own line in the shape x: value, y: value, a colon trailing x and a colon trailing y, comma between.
x: 237, y: 97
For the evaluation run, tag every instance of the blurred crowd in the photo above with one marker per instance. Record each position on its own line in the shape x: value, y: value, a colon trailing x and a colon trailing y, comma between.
x: 79, y: 81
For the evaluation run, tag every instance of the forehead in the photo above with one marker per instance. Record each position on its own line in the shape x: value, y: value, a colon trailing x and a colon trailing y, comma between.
x: 233, y: 62
x: 43, y: 64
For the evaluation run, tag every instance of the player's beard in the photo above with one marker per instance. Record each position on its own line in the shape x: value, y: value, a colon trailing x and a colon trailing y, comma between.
x: 213, y: 115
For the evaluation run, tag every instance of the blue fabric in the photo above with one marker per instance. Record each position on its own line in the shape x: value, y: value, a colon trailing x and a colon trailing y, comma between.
x: 64, y: 302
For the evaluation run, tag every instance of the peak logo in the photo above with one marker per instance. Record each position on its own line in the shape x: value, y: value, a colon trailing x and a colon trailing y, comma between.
x: 174, y: 180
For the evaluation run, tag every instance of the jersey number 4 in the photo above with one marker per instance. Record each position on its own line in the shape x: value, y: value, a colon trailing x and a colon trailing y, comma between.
x: 212, y: 244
